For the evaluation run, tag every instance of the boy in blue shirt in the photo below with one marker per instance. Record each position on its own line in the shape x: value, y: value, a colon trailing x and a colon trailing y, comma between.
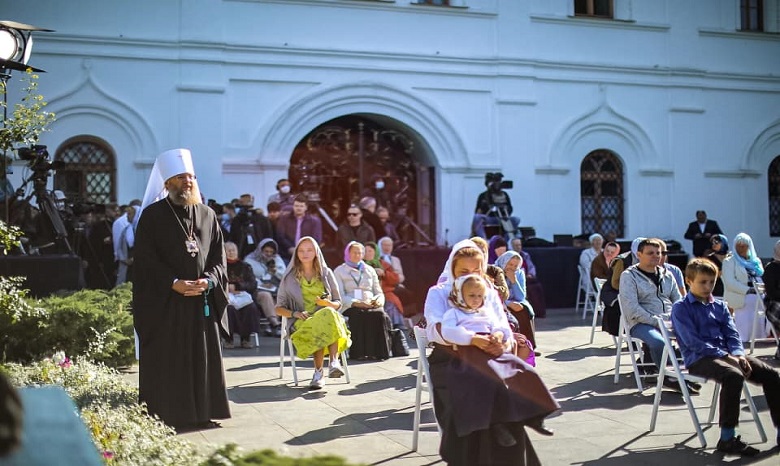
x: 712, y: 348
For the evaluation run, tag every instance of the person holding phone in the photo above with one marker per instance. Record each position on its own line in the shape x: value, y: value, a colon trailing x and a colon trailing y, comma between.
x: 363, y: 304
x: 309, y: 296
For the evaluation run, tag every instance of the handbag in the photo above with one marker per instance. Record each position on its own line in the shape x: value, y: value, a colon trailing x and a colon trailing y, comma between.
x: 400, y: 346
x: 240, y: 299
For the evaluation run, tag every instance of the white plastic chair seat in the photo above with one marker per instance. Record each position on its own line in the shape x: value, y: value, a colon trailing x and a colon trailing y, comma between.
x: 282, y: 353
x: 423, y: 383
x: 625, y: 336
x: 682, y: 374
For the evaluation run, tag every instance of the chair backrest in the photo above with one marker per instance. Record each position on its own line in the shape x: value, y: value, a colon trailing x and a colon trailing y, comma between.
x: 421, y: 338
x: 599, y: 284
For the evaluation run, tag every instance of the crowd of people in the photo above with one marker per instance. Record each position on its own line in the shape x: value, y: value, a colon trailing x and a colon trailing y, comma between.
x: 213, y: 271
x: 712, y: 306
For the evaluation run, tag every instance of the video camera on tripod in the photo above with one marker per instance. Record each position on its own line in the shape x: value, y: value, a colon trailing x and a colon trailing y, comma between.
x: 497, y: 201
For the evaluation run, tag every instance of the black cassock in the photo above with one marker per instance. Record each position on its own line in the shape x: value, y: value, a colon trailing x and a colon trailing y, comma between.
x: 181, y: 375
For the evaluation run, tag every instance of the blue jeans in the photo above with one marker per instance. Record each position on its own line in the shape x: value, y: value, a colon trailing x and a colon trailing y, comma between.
x: 652, y: 336
x: 480, y: 220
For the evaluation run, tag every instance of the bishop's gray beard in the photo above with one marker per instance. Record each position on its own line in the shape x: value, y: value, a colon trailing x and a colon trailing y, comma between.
x: 183, y: 198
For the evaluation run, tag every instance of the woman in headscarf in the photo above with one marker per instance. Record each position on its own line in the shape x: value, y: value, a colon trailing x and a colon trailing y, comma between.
x: 496, y: 246
x: 389, y: 280
x: 466, y: 411
x: 268, y: 268
x: 717, y: 254
x: 242, y: 310
x: 363, y: 305
x: 588, y: 255
x: 511, y: 262
x: 741, y: 270
x: 309, y: 295
x: 772, y: 286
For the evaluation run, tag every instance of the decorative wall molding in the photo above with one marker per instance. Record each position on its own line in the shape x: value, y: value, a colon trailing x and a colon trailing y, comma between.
x: 600, y: 23
x: 734, y: 174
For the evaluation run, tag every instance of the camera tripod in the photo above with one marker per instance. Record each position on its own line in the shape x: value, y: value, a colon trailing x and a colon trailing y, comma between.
x: 52, y: 221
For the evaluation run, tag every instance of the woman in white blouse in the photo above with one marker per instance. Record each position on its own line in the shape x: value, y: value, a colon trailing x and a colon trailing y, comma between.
x: 741, y: 270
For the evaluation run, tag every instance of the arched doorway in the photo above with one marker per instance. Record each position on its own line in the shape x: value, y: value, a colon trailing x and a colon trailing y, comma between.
x: 339, y: 162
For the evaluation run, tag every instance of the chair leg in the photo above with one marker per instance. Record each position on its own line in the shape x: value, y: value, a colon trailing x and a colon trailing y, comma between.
x: 714, y: 403
x: 595, y: 320
x: 281, y: 358
x: 577, y: 303
x: 658, y: 389
x: 754, y: 411
x: 417, y: 406
x: 619, y: 346
x: 292, y: 361
x: 345, y: 365
x: 634, y: 365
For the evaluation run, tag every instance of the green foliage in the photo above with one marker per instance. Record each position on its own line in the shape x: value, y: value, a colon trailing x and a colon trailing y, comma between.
x: 9, y: 236
x: 28, y: 119
x: 94, y: 324
x: 18, y: 320
x: 231, y: 455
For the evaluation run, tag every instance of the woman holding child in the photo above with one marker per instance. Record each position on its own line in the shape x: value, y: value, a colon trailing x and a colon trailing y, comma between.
x: 482, y: 423
x: 309, y: 296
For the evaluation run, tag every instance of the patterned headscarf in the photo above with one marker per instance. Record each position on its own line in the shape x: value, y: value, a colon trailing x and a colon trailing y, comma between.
x: 752, y: 263
x: 456, y: 294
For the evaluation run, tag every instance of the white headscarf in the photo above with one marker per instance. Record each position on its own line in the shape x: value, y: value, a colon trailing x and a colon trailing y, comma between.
x: 447, y: 273
x: 167, y: 165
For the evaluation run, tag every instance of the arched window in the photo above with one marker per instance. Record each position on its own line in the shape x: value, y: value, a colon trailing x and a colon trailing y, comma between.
x: 773, y: 178
x: 89, y: 174
x: 601, y: 190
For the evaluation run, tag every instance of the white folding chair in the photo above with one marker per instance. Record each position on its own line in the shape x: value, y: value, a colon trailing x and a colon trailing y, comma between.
x: 682, y: 375
x: 759, y: 318
x: 585, y: 295
x: 423, y: 383
x: 634, y: 353
x: 599, y: 307
x: 286, y: 338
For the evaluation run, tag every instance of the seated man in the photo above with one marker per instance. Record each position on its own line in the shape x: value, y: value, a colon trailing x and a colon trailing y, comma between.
x: 389, y: 227
x: 494, y: 208
x: 712, y: 348
x: 354, y: 229
x: 648, y: 290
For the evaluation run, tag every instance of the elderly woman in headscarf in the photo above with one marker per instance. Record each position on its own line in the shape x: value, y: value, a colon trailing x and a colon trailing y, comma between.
x: 588, y: 255
x: 466, y: 411
x: 511, y: 262
x: 363, y: 305
x: 718, y: 252
x: 388, y: 278
x: 772, y: 287
x: 309, y: 296
x: 496, y: 246
x: 741, y: 270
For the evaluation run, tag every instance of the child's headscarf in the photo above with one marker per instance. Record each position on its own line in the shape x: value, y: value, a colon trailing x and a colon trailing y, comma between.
x: 752, y: 264
x: 456, y: 294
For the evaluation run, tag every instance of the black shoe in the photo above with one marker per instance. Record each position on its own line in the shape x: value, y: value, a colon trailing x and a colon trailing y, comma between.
x: 672, y: 385
x: 735, y: 446
x: 269, y: 331
x: 693, y: 387
x: 541, y: 428
x: 777, y: 353
x: 537, y: 353
x: 502, y: 435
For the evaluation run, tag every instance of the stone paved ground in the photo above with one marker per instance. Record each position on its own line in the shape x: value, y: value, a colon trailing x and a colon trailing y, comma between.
x: 370, y: 420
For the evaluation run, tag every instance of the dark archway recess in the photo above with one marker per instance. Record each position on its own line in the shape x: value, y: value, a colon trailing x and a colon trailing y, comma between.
x: 338, y: 163
x: 601, y: 191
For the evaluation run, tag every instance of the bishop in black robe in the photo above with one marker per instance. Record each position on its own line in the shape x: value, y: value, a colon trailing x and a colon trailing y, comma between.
x: 181, y: 375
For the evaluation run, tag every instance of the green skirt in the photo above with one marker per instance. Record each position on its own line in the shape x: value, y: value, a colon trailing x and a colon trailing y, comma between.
x: 319, y: 331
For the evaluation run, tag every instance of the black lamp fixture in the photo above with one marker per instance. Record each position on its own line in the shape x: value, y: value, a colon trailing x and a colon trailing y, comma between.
x: 16, y: 45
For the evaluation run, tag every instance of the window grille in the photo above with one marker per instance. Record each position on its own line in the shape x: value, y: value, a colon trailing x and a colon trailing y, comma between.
x: 89, y: 174
x: 601, y: 191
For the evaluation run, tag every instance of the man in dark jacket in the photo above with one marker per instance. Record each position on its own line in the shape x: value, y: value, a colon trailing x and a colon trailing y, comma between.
x: 291, y: 228
x: 700, y: 232
x: 354, y: 229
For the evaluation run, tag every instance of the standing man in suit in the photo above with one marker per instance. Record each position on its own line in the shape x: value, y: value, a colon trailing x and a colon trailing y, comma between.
x: 700, y: 232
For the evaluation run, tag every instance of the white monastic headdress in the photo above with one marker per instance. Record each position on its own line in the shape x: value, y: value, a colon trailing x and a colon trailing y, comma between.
x: 168, y: 164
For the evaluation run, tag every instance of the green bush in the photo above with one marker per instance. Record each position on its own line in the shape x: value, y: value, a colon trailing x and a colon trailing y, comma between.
x: 96, y: 324
x: 231, y: 455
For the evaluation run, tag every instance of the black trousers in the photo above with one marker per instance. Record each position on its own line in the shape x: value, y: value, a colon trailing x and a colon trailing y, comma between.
x: 726, y: 372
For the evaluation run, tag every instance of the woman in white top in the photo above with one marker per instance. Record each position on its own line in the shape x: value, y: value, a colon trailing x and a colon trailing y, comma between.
x: 588, y: 255
x: 741, y: 270
x: 466, y: 411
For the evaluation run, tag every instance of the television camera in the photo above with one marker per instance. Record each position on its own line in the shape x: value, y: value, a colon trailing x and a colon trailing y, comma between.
x: 496, y: 203
x: 38, y: 161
